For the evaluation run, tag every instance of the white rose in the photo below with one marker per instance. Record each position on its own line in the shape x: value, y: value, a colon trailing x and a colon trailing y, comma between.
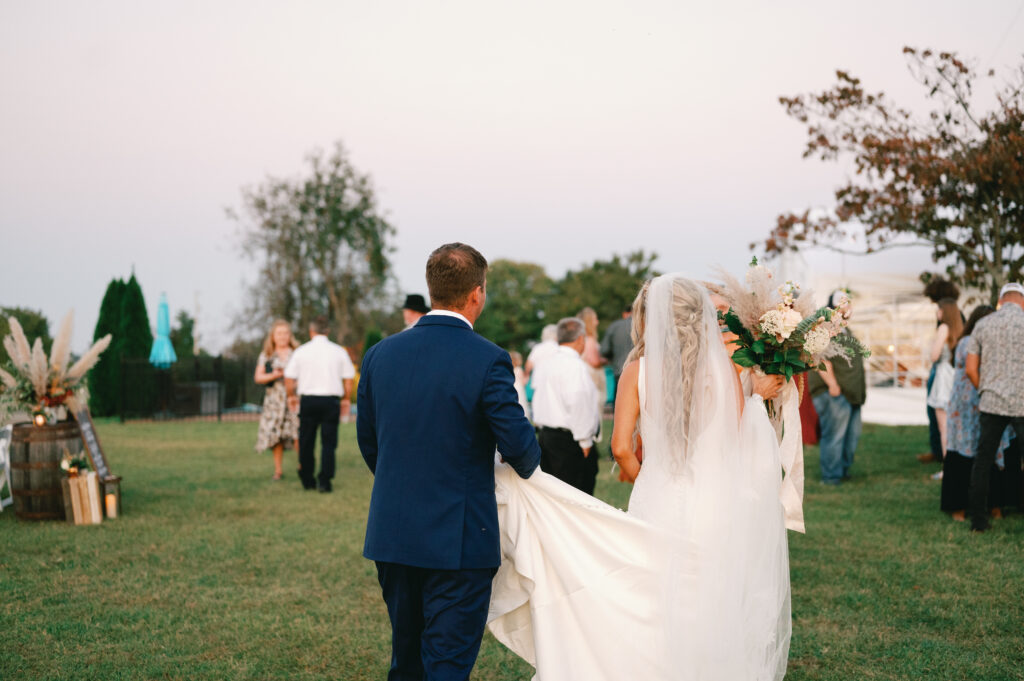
x: 790, y: 320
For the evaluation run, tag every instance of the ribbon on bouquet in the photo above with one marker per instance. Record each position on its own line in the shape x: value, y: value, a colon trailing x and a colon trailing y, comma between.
x: 791, y: 452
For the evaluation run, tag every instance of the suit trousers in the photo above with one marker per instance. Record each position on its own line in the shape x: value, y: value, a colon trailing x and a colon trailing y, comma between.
x: 318, y: 412
x: 437, y: 620
x: 992, y: 427
x: 562, y: 457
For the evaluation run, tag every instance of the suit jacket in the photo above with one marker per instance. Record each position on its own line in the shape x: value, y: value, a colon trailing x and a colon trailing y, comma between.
x: 434, y: 401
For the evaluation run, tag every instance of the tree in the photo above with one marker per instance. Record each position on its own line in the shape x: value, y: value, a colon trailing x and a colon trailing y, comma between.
x: 953, y: 182
x: 136, y: 336
x: 181, y: 335
x: 608, y: 286
x: 33, y: 322
x: 323, y: 246
x: 105, y: 377
x: 517, y: 298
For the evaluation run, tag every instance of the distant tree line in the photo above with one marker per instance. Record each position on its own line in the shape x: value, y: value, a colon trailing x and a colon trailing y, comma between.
x: 522, y: 298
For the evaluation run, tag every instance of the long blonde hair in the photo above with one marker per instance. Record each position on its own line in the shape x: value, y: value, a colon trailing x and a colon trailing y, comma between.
x: 589, y: 318
x: 268, y: 344
x: 639, y: 318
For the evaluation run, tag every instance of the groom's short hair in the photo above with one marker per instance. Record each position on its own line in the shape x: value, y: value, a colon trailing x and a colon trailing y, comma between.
x: 453, y: 271
x: 569, y: 329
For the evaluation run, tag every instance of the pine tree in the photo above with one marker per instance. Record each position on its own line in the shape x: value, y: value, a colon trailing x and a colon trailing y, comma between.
x: 136, y: 335
x: 105, y: 377
x: 140, y: 390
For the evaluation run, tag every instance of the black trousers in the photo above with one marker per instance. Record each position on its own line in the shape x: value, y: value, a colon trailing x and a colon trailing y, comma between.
x: 992, y: 427
x: 562, y: 457
x: 323, y: 412
x: 437, y: 620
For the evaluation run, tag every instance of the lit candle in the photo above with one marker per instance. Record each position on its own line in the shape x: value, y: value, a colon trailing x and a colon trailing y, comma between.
x: 111, y: 500
x: 39, y: 419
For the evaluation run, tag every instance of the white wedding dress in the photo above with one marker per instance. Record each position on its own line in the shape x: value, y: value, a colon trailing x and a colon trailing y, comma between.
x: 692, y: 584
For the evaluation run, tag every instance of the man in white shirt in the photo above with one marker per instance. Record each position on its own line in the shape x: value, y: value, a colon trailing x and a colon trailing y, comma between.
x: 565, y: 410
x: 318, y: 376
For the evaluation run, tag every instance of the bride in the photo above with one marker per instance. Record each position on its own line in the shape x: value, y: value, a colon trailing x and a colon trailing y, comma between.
x: 693, y: 582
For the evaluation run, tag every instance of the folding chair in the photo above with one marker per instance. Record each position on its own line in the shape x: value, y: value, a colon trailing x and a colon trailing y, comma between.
x: 5, y: 467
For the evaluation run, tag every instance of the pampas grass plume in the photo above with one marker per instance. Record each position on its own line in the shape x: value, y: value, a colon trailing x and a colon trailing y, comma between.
x: 7, y: 379
x: 12, y: 350
x: 88, y: 360
x: 22, y: 355
x: 39, y: 369
x: 60, y: 353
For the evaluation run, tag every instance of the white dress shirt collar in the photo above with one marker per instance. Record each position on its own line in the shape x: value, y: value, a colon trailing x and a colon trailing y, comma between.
x: 450, y: 313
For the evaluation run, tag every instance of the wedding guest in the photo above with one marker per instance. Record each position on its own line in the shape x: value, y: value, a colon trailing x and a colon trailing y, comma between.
x: 615, y: 348
x: 838, y: 393
x: 279, y: 426
x: 565, y: 410
x: 616, y: 344
x: 413, y: 309
x: 317, y: 377
x: 346, y: 400
x: 520, y: 380
x: 994, y: 367
x: 938, y: 289
x: 962, y: 433
x: 944, y: 342
x: 547, y: 347
x: 592, y: 356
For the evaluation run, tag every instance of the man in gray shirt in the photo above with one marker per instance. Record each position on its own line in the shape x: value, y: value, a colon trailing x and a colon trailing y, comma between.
x: 617, y: 343
x: 995, y: 368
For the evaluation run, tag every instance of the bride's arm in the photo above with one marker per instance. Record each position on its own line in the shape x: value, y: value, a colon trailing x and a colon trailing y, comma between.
x: 627, y: 411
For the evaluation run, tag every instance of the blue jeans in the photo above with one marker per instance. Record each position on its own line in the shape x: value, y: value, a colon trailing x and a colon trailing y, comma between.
x: 840, y: 430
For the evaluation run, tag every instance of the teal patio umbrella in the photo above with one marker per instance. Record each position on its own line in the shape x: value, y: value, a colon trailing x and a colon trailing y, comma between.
x: 162, y: 355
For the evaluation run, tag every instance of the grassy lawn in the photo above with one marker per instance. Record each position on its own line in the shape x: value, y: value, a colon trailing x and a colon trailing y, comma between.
x: 215, y: 572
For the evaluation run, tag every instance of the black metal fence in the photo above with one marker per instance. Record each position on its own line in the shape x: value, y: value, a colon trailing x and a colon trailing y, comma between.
x: 205, y: 388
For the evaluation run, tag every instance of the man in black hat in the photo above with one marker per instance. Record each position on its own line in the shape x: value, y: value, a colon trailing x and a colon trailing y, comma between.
x: 414, y: 308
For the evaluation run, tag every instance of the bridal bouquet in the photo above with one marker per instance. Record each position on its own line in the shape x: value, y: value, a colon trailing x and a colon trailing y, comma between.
x: 779, y: 330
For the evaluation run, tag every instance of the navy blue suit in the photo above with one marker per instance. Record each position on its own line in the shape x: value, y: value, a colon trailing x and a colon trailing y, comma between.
x: 434, y: 402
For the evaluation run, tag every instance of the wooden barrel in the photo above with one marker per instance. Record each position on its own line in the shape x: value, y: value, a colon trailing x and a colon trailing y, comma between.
x: 35, y: 457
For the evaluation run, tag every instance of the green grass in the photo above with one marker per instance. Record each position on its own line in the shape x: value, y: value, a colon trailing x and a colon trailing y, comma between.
x: 215, y: 572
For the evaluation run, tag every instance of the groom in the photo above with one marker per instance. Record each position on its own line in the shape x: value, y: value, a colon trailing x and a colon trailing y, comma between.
x: 434, y: 402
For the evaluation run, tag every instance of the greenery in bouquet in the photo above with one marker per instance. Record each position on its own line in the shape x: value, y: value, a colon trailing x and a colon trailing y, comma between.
x: 34, y: 383
x: 779, y: 330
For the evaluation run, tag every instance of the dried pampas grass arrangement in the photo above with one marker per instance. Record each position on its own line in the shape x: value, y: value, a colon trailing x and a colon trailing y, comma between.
x: 33, y: 382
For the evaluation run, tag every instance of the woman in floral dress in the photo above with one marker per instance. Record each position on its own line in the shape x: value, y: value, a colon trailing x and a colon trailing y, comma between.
x: 279, y: 427
x: 962, y: 433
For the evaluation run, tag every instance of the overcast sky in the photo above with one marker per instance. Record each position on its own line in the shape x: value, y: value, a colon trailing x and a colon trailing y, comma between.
x: 551, y: 132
